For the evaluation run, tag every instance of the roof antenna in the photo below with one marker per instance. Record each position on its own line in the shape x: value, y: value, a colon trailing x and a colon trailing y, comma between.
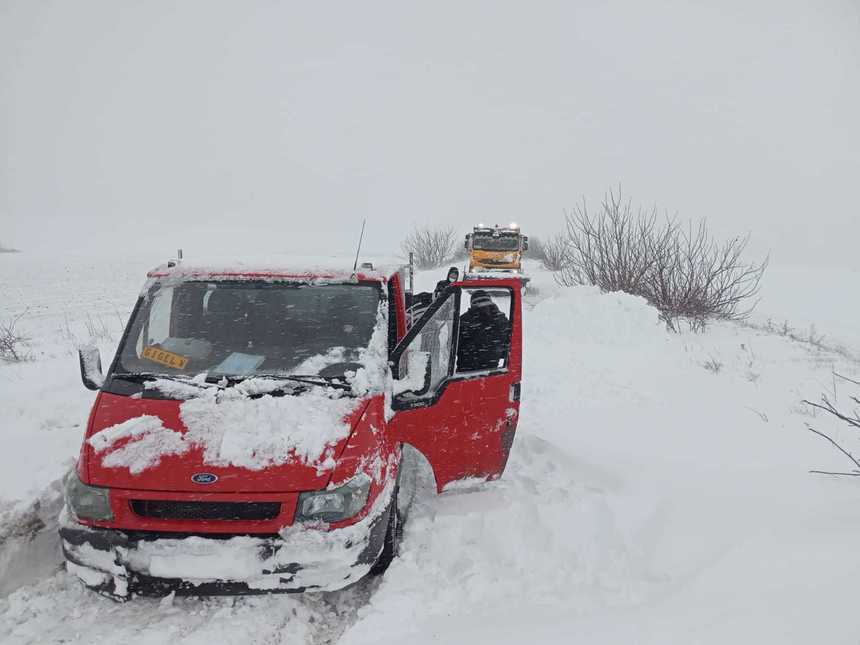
x: 173, y: 263
x: 358, y: 250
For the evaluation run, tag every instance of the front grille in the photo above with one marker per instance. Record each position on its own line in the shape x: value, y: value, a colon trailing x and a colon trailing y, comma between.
x: 177, y: 510
x: 152, y: 536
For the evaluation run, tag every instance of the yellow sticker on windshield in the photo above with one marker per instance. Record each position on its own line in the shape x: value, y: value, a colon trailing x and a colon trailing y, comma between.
x: 165, y: 358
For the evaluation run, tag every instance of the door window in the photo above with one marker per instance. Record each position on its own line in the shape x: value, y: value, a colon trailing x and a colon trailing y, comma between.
x: 484, y: 334
x: 434, y: 341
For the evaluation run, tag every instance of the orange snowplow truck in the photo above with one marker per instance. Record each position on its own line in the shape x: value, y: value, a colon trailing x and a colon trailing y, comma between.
x: 496, y: 248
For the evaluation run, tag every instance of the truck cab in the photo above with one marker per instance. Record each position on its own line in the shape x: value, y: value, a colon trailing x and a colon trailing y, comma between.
x: 249, y: 434
x: 496, y: 248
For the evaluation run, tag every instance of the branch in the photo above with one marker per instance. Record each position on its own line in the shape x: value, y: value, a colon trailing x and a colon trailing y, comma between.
x: 827, y: 472
x: 828, y: 407
x: 845, y: 378
x: 838, y: 447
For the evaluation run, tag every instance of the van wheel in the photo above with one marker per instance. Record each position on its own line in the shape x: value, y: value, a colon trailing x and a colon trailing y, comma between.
x: 391, y: 546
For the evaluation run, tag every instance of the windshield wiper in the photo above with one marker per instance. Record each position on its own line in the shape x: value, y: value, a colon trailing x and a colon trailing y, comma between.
x: 224, y: 383
x: 145, y: 377
x: 306, y: 379
x: 312, y: 379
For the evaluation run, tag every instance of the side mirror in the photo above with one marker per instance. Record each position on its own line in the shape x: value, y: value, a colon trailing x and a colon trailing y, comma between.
x: 91, y: 367
x: 525, y: 243
x: 417, y: 378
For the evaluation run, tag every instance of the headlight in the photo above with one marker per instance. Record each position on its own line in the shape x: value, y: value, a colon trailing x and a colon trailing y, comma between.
x: 87, y: 502
x: 337, y: 504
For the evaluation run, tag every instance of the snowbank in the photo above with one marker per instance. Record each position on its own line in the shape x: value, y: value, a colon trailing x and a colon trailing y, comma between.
x: 657, y: 492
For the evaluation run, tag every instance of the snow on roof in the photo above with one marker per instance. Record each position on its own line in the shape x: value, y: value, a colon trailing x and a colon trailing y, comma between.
x: 299, y: 268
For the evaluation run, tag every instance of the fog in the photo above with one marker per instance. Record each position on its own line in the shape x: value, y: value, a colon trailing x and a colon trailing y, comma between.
x: 143, y: 126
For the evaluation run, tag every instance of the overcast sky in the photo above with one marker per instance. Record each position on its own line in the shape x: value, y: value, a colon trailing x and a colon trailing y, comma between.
x: 280, y: 125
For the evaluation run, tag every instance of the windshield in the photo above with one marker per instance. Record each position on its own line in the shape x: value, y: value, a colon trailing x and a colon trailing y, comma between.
x: 245, y: 328
x: 502, y: 243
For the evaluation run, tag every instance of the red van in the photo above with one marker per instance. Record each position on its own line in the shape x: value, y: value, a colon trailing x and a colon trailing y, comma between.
x: 250, y: 434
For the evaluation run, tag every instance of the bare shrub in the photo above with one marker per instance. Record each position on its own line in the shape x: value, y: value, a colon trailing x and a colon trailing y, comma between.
x: 697, y: 278
x: 852, y: 419
x: 460, y: 255
x: 684, y: 273
x: 713, y: 365
x: 614, y: 250
x: 551, y: 252
x: 432, y: 247
x: 11, y: 342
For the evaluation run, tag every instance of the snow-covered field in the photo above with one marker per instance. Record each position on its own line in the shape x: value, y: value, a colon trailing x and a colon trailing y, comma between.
x: 657, y: 490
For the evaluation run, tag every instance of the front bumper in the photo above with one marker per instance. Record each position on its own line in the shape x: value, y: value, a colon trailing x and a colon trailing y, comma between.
x: 121, y: 563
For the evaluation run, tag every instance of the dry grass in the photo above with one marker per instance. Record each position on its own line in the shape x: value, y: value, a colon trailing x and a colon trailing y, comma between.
x: 12, y: 343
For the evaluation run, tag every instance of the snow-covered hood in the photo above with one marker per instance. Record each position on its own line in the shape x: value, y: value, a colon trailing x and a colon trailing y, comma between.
x: 270, y: 444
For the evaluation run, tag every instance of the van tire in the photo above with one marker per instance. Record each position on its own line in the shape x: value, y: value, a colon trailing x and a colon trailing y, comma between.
x: 391, y: 545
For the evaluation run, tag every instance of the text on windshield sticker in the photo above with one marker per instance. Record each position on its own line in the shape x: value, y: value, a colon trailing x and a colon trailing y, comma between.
x: 169, y: 359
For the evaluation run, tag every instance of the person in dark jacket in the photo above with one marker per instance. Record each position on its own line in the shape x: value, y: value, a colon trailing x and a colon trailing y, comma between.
x: 421, y: 301
x: 453, y: 276
x: 485, y: 335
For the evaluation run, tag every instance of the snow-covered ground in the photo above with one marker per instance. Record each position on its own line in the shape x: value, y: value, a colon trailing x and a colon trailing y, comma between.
x: 657, y: 490
x: 814, y: 301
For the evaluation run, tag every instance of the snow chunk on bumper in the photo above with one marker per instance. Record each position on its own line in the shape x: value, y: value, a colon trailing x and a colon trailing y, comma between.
x: 301, y: 557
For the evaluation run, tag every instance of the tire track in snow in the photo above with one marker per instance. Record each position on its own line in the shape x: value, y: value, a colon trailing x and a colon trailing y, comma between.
x: 59, y: 609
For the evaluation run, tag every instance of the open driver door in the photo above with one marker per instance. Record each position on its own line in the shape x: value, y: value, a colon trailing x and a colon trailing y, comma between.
x: 457, y: 380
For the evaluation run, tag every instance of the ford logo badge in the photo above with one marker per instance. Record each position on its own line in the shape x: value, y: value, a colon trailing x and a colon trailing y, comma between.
x: 204, y: 478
